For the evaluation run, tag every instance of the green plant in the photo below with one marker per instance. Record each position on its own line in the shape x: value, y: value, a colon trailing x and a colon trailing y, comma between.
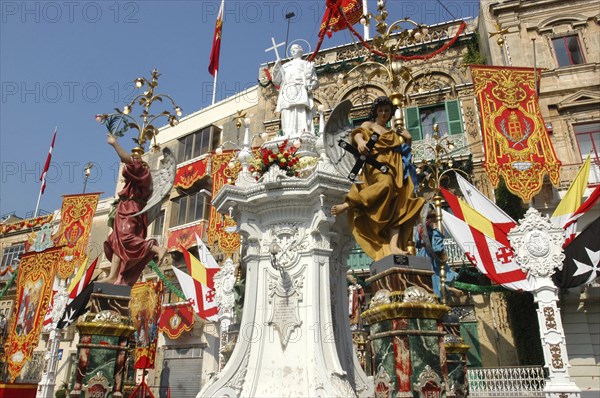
x: 508, y: 201
x: 474, y: 55
x: 62, y: 391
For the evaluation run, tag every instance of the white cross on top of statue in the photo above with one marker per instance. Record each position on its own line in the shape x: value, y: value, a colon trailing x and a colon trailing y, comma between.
x: 274, y: 48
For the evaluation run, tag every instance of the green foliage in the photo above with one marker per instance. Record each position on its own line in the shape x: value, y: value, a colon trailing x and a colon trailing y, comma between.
x: 509, y: 202
x: 62, y: 391
x: 474, y: 55
x: 116, y: 125
x: 524, y: 325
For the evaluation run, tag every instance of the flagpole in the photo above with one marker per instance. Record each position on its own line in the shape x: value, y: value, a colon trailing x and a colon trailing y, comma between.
x: 37, y: 205
x: 215, y: 87
x: 537, y: 93
x: 48, y: 380
x: 218, y: 36
x: 366, y: 33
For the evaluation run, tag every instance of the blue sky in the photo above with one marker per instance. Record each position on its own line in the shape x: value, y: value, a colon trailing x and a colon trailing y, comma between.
x: 63, y: 62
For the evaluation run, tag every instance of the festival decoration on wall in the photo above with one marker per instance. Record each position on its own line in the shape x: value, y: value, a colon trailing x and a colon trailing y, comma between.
x: 25, y: 224
x: 189, y: 174
x: 516, y: 143
x: 145, y: 308
x: 185, y: 236
x: 77, y: 214
x: 227, y: 239
x: 176, y: 319
x: 34, y: 288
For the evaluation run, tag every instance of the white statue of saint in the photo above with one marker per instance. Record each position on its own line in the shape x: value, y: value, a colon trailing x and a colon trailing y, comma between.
x: 297, y: 80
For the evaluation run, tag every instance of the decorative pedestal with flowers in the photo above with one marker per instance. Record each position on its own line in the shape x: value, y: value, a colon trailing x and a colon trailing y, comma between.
x: 294, y: 338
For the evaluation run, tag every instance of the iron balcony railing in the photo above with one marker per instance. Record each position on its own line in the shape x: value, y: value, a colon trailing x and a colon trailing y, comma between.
x: 507, y: 382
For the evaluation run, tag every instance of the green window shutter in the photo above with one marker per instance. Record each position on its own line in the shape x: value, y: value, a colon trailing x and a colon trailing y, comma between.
x: 413, y: 125
x: 454, y: 117
x: 469, y: 333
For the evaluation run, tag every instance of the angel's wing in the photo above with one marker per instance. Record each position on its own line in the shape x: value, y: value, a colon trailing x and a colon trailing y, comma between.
x: 162, y: 182
x: 337, y: 128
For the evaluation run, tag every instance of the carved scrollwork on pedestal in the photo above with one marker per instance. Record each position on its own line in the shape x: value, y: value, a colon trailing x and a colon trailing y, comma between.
x: 416, y: 294
x: 285, y: 293
x: 538, y: 244
x: 107, y: 316
x: 224, y: 283
x: 556, y: 355
x: 550, y: 317
x: 292, y: 240
x: 341, y: 384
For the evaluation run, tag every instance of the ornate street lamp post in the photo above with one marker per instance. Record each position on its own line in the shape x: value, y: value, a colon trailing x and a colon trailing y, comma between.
x: 145, y: 127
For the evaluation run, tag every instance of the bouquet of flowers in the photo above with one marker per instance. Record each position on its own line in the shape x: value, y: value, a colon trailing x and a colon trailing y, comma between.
x: 283, y: 156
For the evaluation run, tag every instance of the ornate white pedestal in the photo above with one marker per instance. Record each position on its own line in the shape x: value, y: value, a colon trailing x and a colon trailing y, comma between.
x: 538, y: 249
x: 294, y: 338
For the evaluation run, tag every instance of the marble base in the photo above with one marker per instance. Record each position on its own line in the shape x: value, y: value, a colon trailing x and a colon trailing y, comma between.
x: 294, y: 336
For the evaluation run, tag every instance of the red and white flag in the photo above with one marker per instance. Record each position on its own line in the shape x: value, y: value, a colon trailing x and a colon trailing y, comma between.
x: 201, y: 297
x: 47, y: 165
x: 199, y: 285
x: 213, y: 65
x: 77, y: 285
x: 48, y: 316
x: 81, y: 280
x: 485, y: 243
x: 484, y: 205
x: 492, y: 258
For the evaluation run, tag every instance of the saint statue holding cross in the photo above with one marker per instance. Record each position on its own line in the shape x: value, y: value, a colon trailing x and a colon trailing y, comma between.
x: 382, y: 207
x: 297, y: 79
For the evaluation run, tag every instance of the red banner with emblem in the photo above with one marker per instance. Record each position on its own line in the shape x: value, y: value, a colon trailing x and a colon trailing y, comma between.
x: 516, y: 143
x: 222, y: 229
x: 34, y: 289
x: 185, y: 236
x: 352, y: 9
x: 176, y: 319
x: 187, y: 175
x: 145, y: 308
x: 77, y: 214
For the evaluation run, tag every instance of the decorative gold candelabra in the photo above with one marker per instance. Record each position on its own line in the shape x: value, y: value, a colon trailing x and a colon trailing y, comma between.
x: 387, y: 43
x: 437, y: 170
x: 242, y: 155
x: 146, y: 129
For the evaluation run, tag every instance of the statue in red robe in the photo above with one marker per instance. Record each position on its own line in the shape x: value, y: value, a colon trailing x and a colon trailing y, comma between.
x: 126, y: 247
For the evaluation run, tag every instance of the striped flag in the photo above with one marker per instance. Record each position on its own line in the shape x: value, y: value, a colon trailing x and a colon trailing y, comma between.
x: 80, y: 281
x: 570, y: 207
x: 48, y: 316
x: 491, y: 258
x: 201, y: 273
x: 484, y: 205
x: 475, y: 219
x: 79, y: 290
x: 485, y: 243
x: 47, y: 165
x: 213, y: 65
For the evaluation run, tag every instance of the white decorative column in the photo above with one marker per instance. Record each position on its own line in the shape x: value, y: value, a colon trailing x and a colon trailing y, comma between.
x: 48, y: 380
x: 224, y: 284
x: 294, y: 338
x: 538, y: 250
